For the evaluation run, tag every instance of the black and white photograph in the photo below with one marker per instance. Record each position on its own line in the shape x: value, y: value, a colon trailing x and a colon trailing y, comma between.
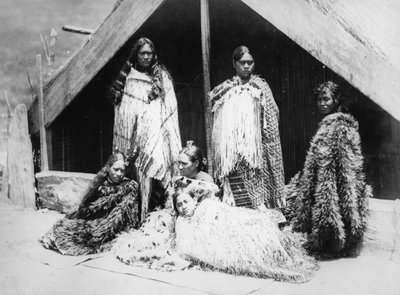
x: 200, y: 147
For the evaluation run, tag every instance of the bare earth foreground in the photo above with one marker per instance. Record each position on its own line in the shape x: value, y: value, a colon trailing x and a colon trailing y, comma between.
x: 27, y: 268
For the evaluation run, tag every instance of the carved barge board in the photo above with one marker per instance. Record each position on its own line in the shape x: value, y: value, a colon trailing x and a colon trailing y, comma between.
x: 357, y: 39
x: 115, y: 31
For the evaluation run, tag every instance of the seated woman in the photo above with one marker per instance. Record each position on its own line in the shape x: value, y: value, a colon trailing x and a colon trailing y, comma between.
x: 191, y: 163
x: 217, y: 236
x: 329, y: 197
x: 108, y: 208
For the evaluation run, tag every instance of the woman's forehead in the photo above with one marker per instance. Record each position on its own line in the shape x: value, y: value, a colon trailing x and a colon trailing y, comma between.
x: 184, y: 158
x: 325, y: 93
x: 145, y: 48
x: 118, y: 164
x: 183, y: 196
x: 246, y: 56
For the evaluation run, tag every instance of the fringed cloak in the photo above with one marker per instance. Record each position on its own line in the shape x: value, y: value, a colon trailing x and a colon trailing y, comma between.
x: 217, y: 237
x: 241, y: 241
x: 330, y: 194
x: 246, y: 143
x: 112, y: 210
x: 148, y: 131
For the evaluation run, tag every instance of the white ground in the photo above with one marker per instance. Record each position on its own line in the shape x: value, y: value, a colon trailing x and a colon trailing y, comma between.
x: 27, y: 268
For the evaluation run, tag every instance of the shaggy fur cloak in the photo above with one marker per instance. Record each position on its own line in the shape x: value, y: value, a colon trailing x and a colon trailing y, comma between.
x: 112, y: 208
x: 330, y: 194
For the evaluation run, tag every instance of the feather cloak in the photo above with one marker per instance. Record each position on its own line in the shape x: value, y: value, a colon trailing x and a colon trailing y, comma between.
x: 330, y: 195
x: 113, y: 209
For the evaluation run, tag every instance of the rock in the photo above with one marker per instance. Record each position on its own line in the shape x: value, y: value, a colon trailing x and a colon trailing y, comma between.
x: 62, y: 191
x: 383, y: 229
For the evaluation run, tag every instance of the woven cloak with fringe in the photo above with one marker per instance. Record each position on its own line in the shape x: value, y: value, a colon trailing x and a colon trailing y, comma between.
x: 246, y: 143
x: 217, y: 237
x: 114, y: 209
x: 148, y: 131
x: 241, y: 241
x: 329, y: 196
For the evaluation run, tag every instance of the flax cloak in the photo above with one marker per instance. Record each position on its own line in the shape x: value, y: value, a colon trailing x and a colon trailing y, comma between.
x: 148, y: 131
x: 246, y: 143
x: 111, y: 209
x: 217, y: 237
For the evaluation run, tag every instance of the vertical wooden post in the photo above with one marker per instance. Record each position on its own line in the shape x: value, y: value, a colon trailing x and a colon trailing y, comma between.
x: 49, y: 140
x: 5, y: 187
x: 205, y: 47
x: 44, y: 164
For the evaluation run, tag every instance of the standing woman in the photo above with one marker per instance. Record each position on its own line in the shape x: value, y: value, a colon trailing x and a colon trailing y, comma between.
x: 245, y: 137
x: 330, y: 193
x: 146, y: 127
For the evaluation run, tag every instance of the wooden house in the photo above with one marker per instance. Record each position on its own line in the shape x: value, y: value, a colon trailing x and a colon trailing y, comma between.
x: 296, y: 45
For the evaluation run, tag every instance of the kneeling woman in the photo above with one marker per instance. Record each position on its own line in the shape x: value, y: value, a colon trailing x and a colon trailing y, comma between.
x: 109, y: 207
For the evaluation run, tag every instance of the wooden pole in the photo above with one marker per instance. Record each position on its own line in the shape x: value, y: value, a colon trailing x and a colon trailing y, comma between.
x: 5, y: 187
x: 206, y: 47
x: 44, y: 164
x: 78, y: 30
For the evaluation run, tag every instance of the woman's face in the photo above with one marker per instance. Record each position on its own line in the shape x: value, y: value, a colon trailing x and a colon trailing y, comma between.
x: 145, y: 56
x: 186, y: 167
x: 185, y: 205
x: 117, y: 171
x: 326, y: 103
x: 244, y: 67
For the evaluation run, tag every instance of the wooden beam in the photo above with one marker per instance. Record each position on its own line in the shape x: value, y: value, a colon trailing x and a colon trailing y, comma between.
x: 78, y: 30
x: 115, y: 31
x: 358, y: 39
x: 44, y: 163
x: 206, y: 48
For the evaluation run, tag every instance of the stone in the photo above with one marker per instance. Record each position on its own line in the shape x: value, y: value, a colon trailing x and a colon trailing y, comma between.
x: 62, y: 191
x: 383, y: 230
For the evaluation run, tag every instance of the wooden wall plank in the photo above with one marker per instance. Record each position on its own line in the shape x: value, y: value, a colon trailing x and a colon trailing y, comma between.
x: 91, y: 58
x: 20, y: 160
x: 357, y: 39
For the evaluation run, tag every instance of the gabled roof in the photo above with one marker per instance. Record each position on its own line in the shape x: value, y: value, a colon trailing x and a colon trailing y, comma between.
x: 357, y: 39
x: 125, y: 19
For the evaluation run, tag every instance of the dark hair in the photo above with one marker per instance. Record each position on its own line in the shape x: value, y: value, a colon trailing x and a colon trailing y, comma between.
x: 195, y: 154
x: 101, y: 176
x: 239, y: 52
x: 334, y: 89
x: 117, y: 88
